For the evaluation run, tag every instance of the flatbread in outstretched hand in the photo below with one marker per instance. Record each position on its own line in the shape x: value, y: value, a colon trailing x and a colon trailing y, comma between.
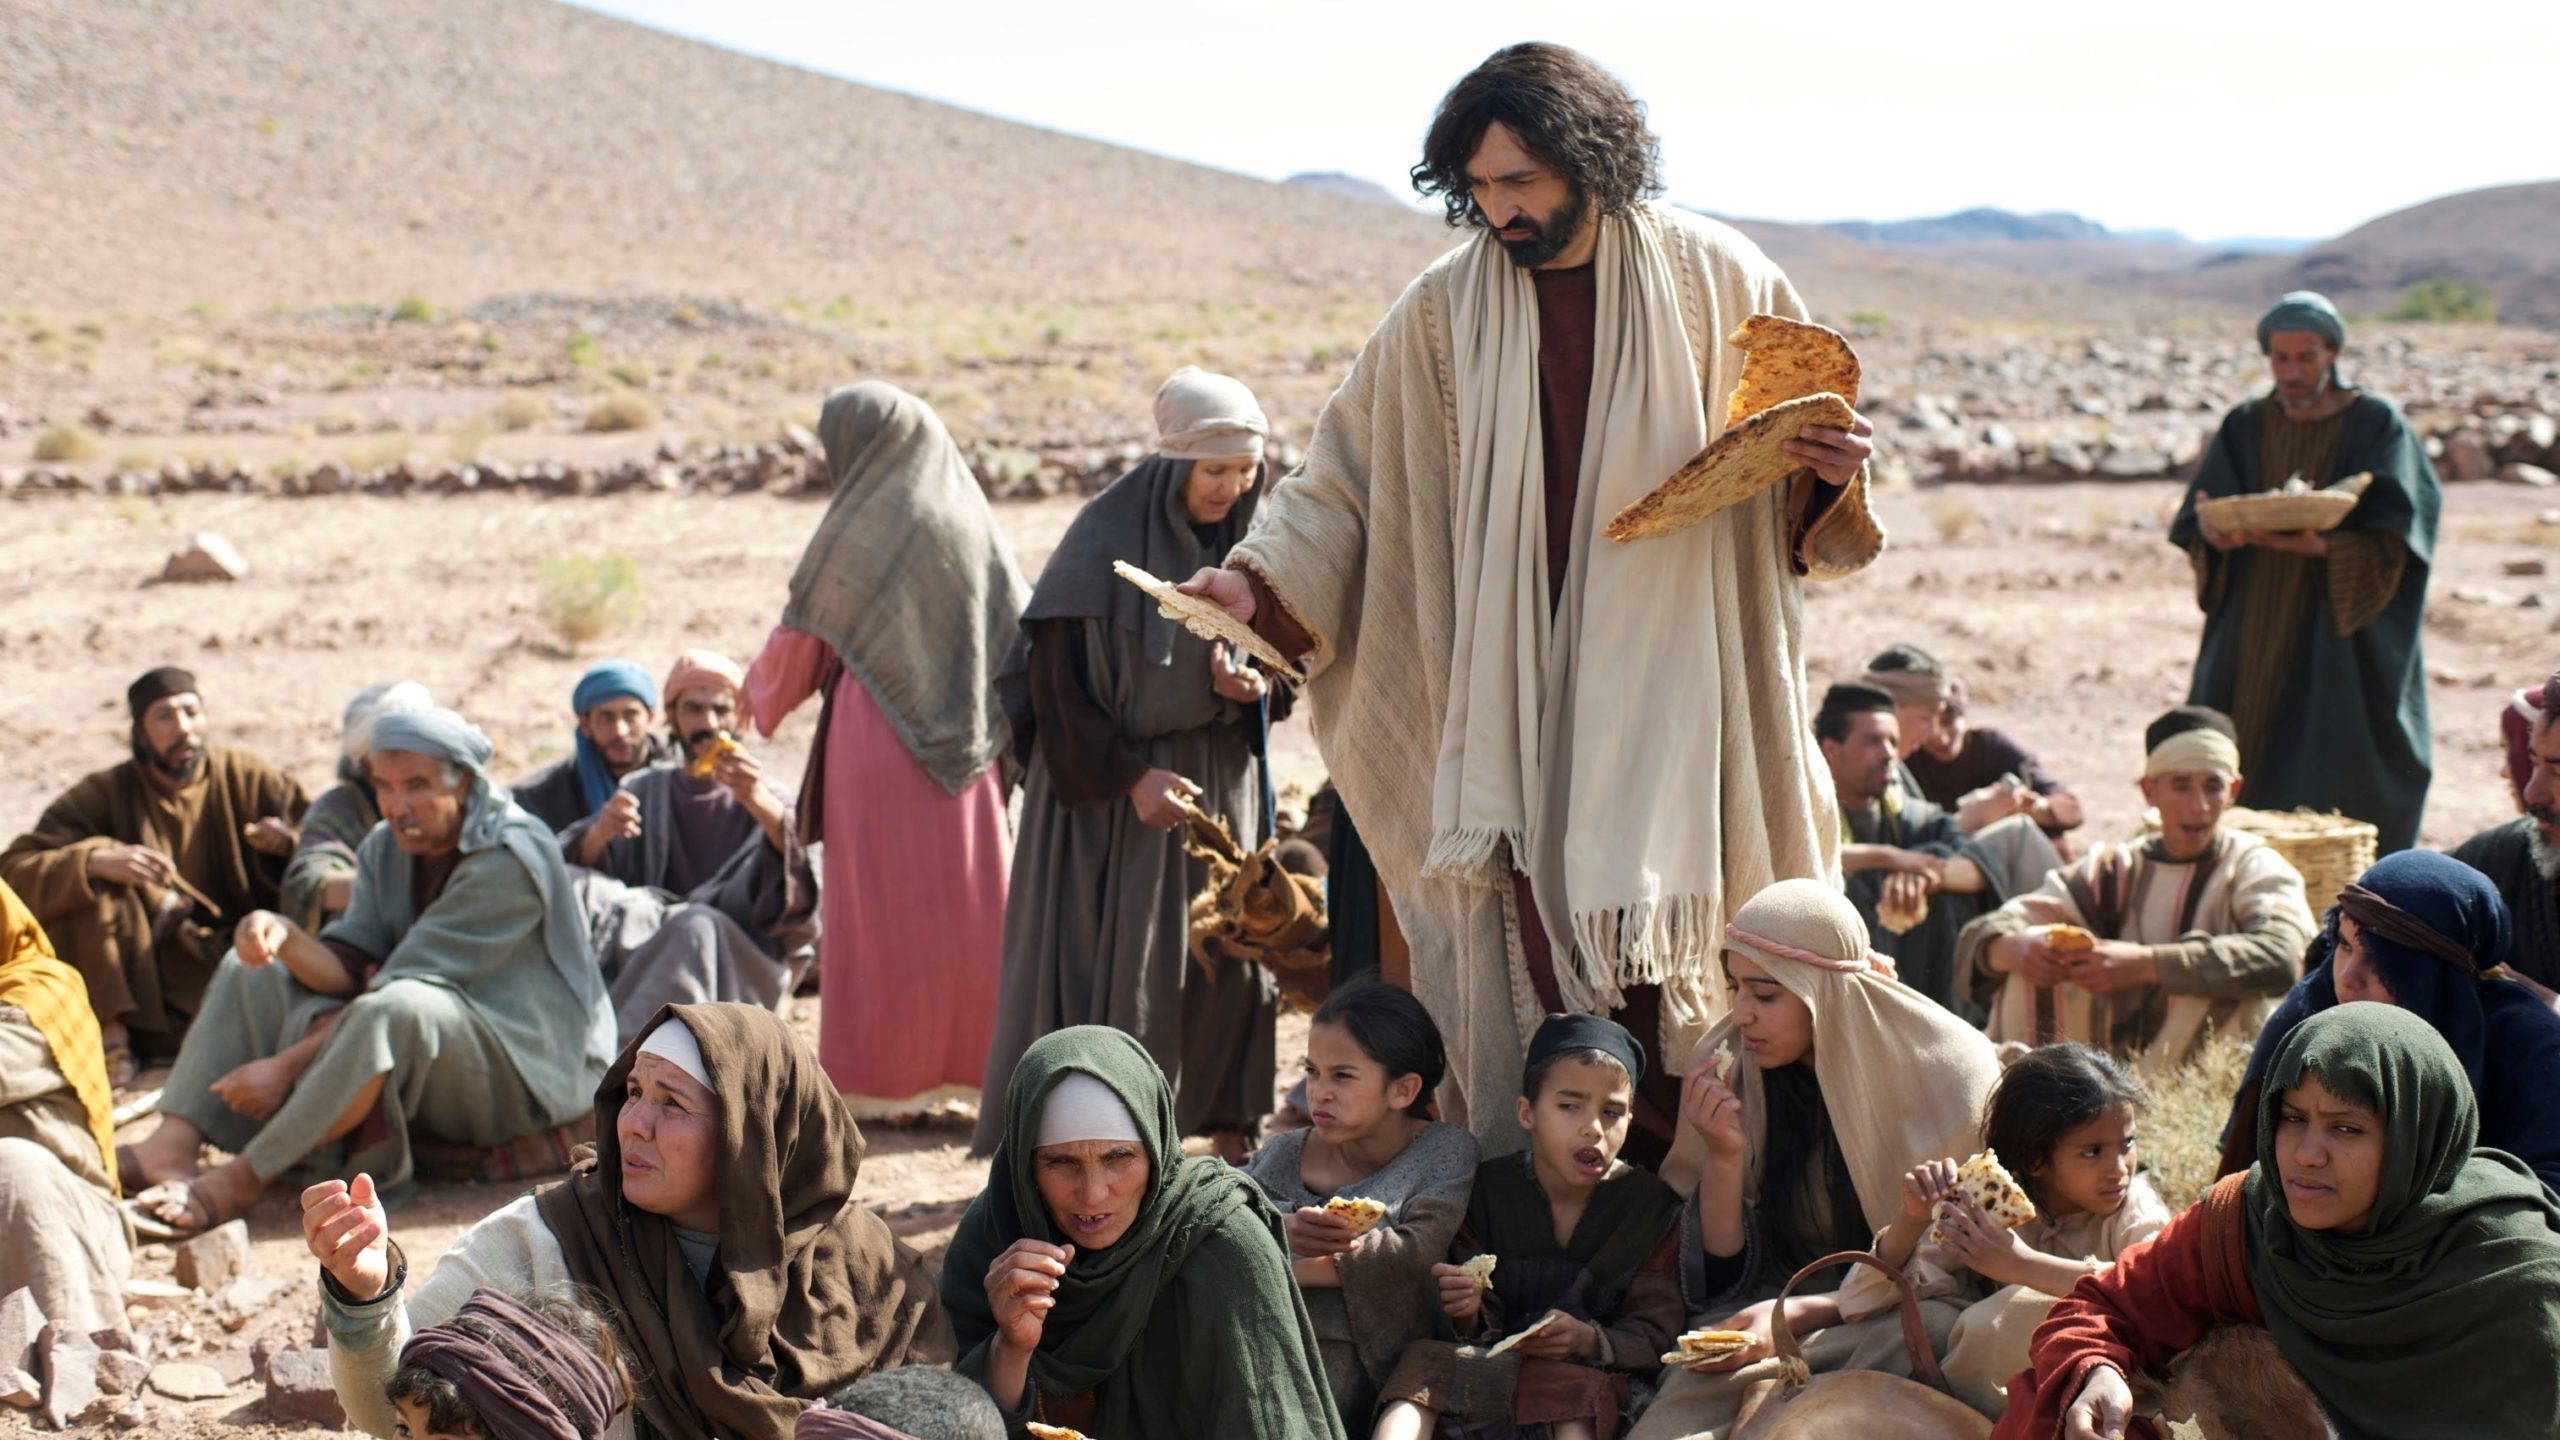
x: 1206, y: 618
x: 1983, y: 1177
x: 1786, y: 360
x: 1362, y: 1213
x: 1479, y: 1269
x: 1744, y: 461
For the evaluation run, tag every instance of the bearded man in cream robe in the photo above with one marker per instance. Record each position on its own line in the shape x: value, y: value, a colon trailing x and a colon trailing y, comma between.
x: 1570, y: 758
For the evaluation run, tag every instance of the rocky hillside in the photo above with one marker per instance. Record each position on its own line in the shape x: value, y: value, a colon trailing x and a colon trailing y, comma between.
x: 250, y: 152
x: 2506, y: 238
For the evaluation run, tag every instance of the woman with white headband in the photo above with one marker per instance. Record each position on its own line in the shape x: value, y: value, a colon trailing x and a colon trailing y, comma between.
x: 1102, y: 1282
x: 716, y: 1221
x: 1124, y: 719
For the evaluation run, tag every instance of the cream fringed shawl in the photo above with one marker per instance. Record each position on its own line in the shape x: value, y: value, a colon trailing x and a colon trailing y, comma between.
x: 1686, y: 779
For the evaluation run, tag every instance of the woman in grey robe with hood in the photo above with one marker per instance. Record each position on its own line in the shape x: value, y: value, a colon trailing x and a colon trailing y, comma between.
x: 1119, y: 712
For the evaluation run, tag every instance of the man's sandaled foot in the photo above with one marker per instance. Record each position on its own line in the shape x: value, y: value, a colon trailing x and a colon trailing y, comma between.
x: 177, y: 1209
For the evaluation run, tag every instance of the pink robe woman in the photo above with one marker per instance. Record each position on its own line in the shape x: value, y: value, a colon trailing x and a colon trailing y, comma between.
x: 912, y: 897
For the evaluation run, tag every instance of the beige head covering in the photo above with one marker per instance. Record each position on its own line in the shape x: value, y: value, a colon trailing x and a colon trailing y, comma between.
x: 1200, y: 416
x: 2205, y: 750
x: 1904, y: 1080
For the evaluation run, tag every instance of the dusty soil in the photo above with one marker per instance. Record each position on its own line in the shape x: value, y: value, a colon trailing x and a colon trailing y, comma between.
x: 2070, y: 616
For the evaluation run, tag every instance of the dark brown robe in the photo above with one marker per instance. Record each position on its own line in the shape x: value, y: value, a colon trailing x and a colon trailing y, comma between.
x: 148, y: 955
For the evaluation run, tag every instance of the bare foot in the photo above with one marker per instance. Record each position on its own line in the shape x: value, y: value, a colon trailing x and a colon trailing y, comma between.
x: 257, y: 1089
x: 191, y: 1207
x: 167, y: 1153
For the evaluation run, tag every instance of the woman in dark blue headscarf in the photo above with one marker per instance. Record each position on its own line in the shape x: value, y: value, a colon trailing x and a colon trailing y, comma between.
x: 2430, y: 934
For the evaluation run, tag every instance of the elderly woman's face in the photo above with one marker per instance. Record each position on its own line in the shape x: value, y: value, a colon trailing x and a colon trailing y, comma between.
x: 2329, y: 1154
x: 1093, y: 1188
x: 669, y: 1131
x: 1216, y: 485
x: 2351, y: 970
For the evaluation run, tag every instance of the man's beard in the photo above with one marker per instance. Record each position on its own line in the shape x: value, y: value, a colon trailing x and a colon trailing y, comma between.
x: 2546, y: 856
x: 694, y: 742
x: 1548, y: 235
x: 2318, y: 393
x: 159, y: 759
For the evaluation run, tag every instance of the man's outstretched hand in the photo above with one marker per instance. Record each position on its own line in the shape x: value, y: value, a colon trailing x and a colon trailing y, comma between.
x: 1228, y: 589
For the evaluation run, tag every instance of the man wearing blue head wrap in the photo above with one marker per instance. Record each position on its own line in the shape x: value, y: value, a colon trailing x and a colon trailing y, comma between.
x: 456, y: 998
x: 2311, y: 639
x: 616, y: 702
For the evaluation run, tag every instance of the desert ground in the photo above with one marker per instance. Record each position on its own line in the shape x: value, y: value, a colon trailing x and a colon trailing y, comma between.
x: 2061, y: 602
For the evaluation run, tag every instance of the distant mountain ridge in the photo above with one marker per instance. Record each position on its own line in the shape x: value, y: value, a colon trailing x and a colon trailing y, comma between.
x: 1349, y: 187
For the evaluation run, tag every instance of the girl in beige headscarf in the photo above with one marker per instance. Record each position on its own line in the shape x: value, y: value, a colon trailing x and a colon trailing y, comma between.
x: 1842, y: 1079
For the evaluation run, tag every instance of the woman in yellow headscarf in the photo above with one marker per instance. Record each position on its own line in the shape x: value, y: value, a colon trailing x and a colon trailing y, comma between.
x: 57, y: 1136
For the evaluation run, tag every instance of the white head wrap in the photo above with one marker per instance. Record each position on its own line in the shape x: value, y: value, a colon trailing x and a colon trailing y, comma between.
x: 1081, y: 1107
x: 673, y: 1042
x: 2188, y: 751
x: 1200, y: 416
x: 355, y: 738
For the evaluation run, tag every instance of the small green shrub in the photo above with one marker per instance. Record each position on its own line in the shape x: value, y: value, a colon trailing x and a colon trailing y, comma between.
x: 583, y: 353
x: 622, y: 410
x: 68, y: 441
x: 2445, y: 300
x: 583, y: 596
x: 520, y: 410
x: 415, y: 308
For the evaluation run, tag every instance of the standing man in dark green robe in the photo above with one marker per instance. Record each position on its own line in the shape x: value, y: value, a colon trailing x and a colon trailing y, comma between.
x: 2311, y: 640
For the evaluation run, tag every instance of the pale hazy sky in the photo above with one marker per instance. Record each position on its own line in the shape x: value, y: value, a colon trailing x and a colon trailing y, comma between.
x: 2216, y: 117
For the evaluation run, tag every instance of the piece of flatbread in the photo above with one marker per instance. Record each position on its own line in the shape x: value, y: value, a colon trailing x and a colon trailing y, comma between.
x: 1736, y: 465
x: 1720, y: 1064
x: 1479, y: 1269
x: 709, y: 760
x: 1785, y: 360
x: 1535, y: 1326
x: 1983, y: 1177
x: 1363, y: 1213
x: 1052, y: 1432
x: 1206, y: 618
x: 2069, y: 939
x: 1706, y: 1347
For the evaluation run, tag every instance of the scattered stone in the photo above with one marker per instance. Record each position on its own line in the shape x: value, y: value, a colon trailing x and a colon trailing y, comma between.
x: 215, y: 1258
x: 2523, y: 474
x: 133, y: 1417
x: 121, y: 1372
x: 2531, y: 565
x: 70, y: 1373
x: 242, y: 1299
x: 186, y: 1380
x: 19, y: 1388
x: 263, y: 1353
x: 205, y: 556
x: 2465, y: 458
x: 155, y: 1294
x: 236, y: 1367
x: 300, y: 1387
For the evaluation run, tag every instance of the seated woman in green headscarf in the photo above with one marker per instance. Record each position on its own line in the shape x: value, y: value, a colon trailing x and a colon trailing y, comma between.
x: 2397, y: 1264
x: 1103, y: 1282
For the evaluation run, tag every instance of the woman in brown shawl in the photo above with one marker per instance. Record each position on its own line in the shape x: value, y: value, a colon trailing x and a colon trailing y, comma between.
x: 902, y: 606
x: 1122, y: 715
x: 717, y: 1222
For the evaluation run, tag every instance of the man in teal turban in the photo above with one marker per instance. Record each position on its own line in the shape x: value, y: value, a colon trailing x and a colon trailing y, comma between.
x: 616, y: 702
x: 2311, y: 639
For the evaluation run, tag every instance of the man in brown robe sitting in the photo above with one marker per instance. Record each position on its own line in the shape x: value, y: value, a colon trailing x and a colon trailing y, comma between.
x: 139, y: 871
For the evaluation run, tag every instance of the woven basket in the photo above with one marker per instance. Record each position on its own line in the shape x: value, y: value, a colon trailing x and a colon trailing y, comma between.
x: 2329, y: 849
x: 2275, y: 512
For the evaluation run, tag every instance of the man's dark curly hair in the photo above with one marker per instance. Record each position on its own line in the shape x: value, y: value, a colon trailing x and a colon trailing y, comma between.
x: 1568, y: 112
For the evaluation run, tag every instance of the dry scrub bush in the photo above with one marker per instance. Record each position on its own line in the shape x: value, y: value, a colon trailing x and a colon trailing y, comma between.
x: 1953, y: 519
x: 583, y: 596
x: 381, y: 452
x: 520, y: 410
x: 2182, y: 1137
x: 67, y: 441
x: 415, y: 308
x: 622, y: 410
